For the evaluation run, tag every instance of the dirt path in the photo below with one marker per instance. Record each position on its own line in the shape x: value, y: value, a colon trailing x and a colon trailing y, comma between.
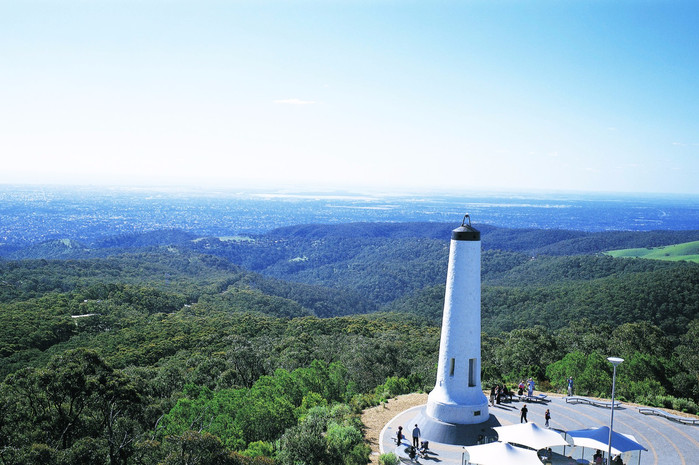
x: 375, y: 418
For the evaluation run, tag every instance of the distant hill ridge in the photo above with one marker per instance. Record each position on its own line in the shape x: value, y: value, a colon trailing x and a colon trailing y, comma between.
x: 531, y: 241
x: 544, y: 241
x: 529, y: 276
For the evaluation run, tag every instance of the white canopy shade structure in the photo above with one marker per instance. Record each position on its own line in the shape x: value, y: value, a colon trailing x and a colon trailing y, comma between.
x: 530, y: 435
x: 501, y: 453
x: 598, y: 438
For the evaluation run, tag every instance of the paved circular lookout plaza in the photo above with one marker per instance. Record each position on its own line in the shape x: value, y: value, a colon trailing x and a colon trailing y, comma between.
x: 668, y: 442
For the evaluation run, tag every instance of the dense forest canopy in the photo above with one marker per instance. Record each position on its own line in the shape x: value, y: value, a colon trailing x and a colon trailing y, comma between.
x: 164, y: 347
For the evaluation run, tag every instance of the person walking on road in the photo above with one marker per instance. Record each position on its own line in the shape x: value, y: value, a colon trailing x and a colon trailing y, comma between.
x: 570, y: 386
x: 523, y: 415
x: 416, y: 436
x: 547, y: 417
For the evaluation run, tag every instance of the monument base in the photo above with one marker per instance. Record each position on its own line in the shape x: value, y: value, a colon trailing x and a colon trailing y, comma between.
x: 467, y: 413
x: 457, y: 434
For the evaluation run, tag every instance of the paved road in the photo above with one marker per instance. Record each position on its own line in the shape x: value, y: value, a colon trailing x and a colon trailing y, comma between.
x: 668, y: 442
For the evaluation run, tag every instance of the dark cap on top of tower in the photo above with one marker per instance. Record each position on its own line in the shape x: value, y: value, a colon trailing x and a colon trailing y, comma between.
x: 466, y: 232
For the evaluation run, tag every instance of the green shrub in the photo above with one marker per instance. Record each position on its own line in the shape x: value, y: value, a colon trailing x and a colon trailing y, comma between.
x: 685, y: 405
x: 340, y: 412
x: 388, y: 459
x: 670, y: 402
x: 359, y: 455
x: 664, y: 401
x: 259, y: 449
x: 634, y: 390
x: 341, y: 443
x: 360, y: 402
x: 393, y: 386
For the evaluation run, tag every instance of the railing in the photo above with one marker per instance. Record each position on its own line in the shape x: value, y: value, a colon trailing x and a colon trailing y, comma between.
x: 668, y: 415
x: 595, y: 402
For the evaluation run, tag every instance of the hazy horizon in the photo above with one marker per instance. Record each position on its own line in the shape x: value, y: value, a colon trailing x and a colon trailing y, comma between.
x: 270, y: 191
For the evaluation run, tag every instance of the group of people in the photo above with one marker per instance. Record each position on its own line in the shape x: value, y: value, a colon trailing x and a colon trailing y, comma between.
x: 417, y: 447
x: 416, y: 436
x: 499, y: 393
x: 598, y: 459
x: 528, y: 385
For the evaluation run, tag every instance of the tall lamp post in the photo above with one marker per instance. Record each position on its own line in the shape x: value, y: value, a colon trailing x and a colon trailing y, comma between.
x: 614, y: 361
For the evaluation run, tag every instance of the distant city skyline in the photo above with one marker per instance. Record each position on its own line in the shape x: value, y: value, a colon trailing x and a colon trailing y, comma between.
x: 596, y: 96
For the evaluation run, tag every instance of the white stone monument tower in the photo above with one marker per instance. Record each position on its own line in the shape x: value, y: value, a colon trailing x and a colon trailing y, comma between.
x: 457, y: 409
x: 457, y: 396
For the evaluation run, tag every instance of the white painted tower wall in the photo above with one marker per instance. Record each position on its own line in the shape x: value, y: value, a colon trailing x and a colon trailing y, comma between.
x: 457, y: 396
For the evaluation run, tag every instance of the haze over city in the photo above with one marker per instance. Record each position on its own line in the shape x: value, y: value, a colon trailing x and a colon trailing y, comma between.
x: 583, y: 96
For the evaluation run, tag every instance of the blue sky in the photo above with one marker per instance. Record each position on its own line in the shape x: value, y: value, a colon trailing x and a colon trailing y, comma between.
x: 446, y: 95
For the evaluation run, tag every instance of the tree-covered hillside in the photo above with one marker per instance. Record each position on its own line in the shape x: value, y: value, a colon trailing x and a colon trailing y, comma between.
x: 170, y: 348
x: 553, y: 291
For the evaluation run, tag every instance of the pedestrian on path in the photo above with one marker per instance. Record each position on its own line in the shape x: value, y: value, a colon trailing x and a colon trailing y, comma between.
x: 416, y: 436
x: 570, y: 385
x: 547, y: 417
x: 523, y: 415
x: 597, y: 458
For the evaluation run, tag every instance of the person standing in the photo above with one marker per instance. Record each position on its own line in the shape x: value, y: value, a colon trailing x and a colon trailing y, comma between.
x: 399, y: 435
x: 523, y: 414
x: 570, y: 385
x: 597, y: 458
x: 416, y: 436
x: 530, y: 387
x: 547, y: 417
